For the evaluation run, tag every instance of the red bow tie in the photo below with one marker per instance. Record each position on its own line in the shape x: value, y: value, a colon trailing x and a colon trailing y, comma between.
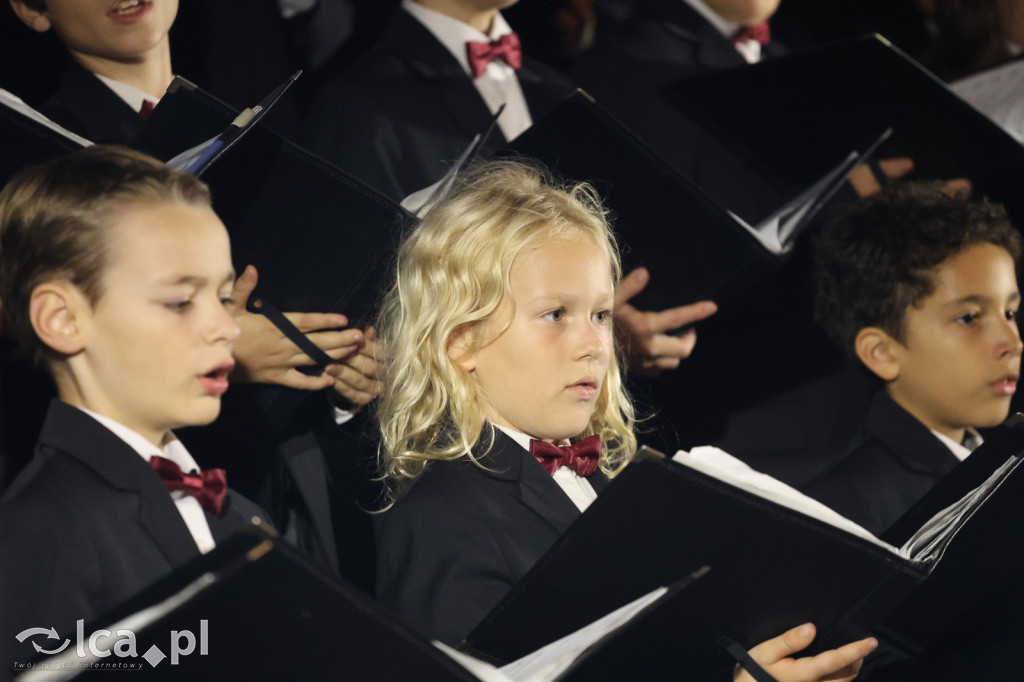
x: 582, y: 457
x: 759, y: 32
x: 505, y: 48
x: 209, y: 487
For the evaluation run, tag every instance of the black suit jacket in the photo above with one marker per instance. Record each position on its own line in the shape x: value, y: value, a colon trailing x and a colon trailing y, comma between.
x: 86, y: 525
x: 86, y: 106
x: 462, y: 536
x: 401, y: 114
x: 894, y: 462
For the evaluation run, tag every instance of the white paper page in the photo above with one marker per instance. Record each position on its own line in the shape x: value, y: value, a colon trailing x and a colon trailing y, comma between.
x: 999, y: 94
x: 723, y: 466
x: 12, y: 101
x: 482, y: 669
x: 548, y: 662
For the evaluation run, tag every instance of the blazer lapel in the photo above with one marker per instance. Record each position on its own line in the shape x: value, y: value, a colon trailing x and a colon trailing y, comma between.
x: 713, y: 51
x: 430, y: 60
x: 908, y: 439
x: 103, y: 115
x: 78, y: 435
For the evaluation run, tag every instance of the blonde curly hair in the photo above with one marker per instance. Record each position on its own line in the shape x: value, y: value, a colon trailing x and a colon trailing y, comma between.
x: 452, y: 274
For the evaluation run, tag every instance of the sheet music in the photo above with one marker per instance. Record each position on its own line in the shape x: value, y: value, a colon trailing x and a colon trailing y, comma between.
x: 12, y: 101
x: 999, y: 94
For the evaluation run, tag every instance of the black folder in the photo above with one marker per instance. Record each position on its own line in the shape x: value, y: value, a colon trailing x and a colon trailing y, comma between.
x: 271, y: 616
x: 321, y: 239
x: 771, y: 569
x: 814, y: 104
x: 27, y: 142
x: 696, y: 249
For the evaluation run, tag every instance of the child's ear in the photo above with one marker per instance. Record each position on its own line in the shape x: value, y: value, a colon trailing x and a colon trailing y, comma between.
x: 55, y: 309
x: 460, y: 348
x: 33, y: 18
x: 876, y: 349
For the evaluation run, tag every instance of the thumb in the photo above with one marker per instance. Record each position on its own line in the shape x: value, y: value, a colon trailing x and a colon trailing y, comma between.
x: 244, y: 286
x: 631, y: 285
x: 786, y: 644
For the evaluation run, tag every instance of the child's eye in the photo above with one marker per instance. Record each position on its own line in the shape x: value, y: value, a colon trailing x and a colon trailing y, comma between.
x: 1011, y: 315
x: 227, y: 301
x: 555, y: 315
x: 969, y: 318
x: 178, y: 306
x: 602, y: 316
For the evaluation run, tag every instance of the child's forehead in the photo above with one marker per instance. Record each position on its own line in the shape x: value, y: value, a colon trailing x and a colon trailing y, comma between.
x: 982, y: 270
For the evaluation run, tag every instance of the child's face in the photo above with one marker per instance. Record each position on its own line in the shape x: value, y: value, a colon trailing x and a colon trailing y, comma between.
x: 120, y: 30
x: 157, y: 344
x: 959, y: 363
x: 543, y: 374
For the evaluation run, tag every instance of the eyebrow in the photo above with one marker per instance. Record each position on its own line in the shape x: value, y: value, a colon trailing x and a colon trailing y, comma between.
x: 979, y: 299
x: 193, y: 280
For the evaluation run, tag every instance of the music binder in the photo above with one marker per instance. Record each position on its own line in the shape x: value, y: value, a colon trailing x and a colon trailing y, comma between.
x: 697, y: 248
x: 817, y: 103
x: 321, y: 239
x: 269, y: 614
x: 771, y: 568
x: 29, y: 137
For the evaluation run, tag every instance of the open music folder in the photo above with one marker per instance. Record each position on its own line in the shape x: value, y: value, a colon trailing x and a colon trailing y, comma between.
x: 698, y: 248
x: 775, y: 563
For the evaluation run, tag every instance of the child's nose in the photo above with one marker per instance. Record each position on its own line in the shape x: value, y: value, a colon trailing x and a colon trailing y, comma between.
x: 592, y: 342
x: 223, y: 326
x: 1012, y: 344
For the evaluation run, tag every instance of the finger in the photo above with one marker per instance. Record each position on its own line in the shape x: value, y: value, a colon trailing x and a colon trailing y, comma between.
x: 836, y: 663
x: 296, y: 379
x: 679, y: 347
x: 244, y: 286
x: 311, y: 322
x: 786, y: 644
x: 366, y: 365
x: 959, y: 188
x: 674, y: 318
x: 350, y: 339
x: 357, y: 379
x: 353, y: 395
x: 631, y: 285
x: 896, y: 167
x: 661, y: 363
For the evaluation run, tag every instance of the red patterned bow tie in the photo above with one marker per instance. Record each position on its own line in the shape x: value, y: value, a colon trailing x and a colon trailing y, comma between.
x: 505, y: 48
x: 209, y: 487
x: 581, y: 457
x: 759, y: 32
x: 146, y: 109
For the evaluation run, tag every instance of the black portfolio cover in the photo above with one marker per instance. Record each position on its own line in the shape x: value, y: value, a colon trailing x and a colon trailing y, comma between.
x: 27, y: 142
x: 273, y: 616
x: 770, y: 569
x: 320, y: 239
x: 814, y: 104
x: 694, y: 249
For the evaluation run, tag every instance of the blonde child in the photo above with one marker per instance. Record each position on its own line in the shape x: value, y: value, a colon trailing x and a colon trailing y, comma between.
x: 499, y: 335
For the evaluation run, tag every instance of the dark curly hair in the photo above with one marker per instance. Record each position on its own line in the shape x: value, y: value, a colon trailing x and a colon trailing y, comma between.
x: 879, y: 256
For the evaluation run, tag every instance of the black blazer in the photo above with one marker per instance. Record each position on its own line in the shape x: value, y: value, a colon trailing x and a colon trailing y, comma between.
x: 86, y: 106
x: 403, y: 112
x: 894, y: 462
x: 86, y: 525
x: 461, y: 537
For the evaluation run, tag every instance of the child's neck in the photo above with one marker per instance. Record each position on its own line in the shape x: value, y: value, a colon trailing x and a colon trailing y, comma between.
x: 149, y: 72
x: 481, y: 20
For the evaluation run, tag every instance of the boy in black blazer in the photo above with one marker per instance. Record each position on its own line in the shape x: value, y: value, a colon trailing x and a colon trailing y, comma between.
x: 116, y: 274
x: 922, y: 289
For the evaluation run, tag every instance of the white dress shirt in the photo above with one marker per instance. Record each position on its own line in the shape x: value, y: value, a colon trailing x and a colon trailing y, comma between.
x: 131, y: 95
x: 750, y: 50
x: 188, y: 506
x: 575, y: 486
x: 972, y: 439
x: 498, y: 84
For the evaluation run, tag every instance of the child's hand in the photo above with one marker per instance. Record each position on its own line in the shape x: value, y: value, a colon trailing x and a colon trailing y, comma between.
x: 265, y: 355
x: 355, y: 379
x: 649, y: 349
x: 836, y: 664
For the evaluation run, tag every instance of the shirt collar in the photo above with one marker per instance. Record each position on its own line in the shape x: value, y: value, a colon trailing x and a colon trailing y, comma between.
x: 131, y: 95
x: 173, y: 450
x: 452, y: 33
x: 726, y: 28
x: 972, y: 439
x: 521, y: 437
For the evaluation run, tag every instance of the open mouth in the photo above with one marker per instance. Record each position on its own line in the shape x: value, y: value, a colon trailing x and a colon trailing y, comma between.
x: 215, y: 382
x: 585, y: 389
x: 1007, y: 385
x: 129, y: 8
